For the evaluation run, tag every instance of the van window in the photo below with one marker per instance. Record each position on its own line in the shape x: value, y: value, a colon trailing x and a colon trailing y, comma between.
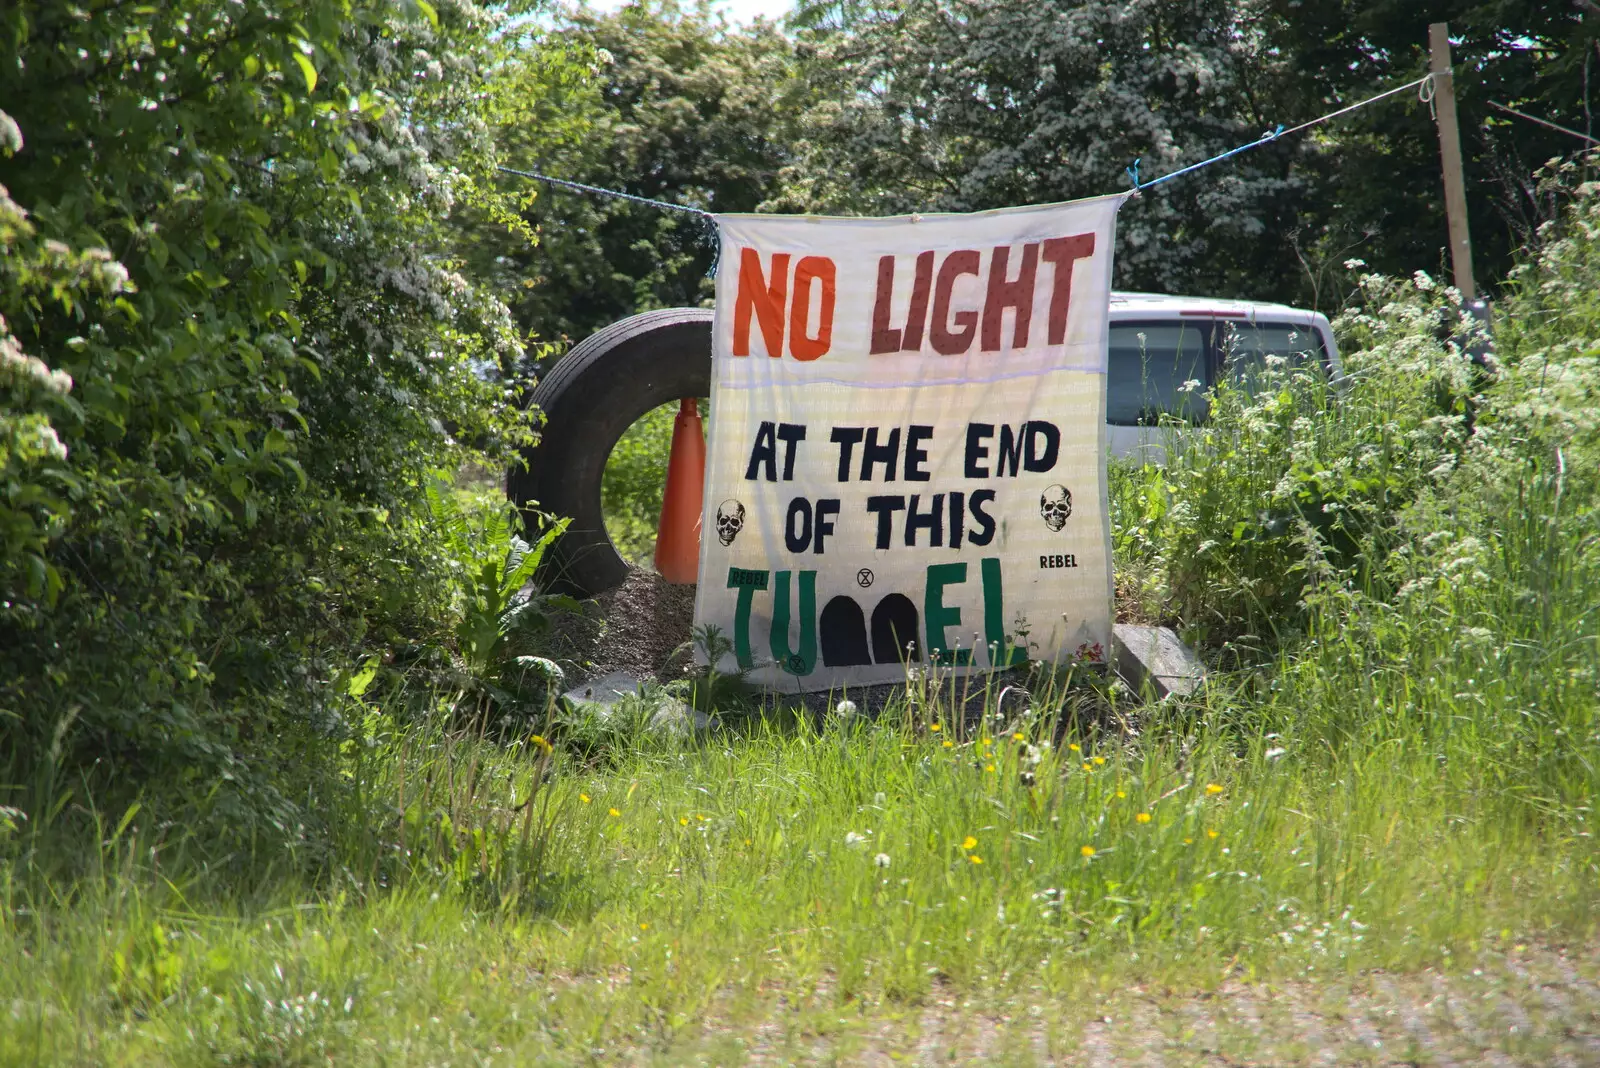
x: 1148, y: 365
x: 1244, y: 348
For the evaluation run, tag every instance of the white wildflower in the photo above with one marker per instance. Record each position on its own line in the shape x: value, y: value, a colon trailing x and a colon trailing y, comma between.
x: 51, y: 445
x: 10, y: 135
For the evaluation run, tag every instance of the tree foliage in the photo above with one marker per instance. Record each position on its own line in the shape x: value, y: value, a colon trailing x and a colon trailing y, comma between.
x: 955, y: 105
x: 961, y: 104
x: 33, y: 470
x: 657, y: 101
x: 270, y: 345
x: 1381, y: 182
x: 879, y: 106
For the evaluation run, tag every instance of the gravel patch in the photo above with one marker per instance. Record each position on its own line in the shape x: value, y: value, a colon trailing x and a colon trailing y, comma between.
x: 646, y: 623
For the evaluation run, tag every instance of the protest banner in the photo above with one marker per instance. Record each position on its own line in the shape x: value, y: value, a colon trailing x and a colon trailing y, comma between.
x: 906, y: 443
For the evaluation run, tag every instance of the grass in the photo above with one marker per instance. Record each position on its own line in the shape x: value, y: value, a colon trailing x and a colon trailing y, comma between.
x: 853, y: 873
x: 1368, y: 839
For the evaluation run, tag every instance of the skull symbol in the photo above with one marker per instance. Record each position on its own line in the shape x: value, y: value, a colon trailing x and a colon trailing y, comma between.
x: 1055, y: 504
x: 730, y: 520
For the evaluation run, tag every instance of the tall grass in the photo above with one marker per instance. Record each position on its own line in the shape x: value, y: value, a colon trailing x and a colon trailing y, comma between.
x: 1397, y: 577
x: 859, y: 861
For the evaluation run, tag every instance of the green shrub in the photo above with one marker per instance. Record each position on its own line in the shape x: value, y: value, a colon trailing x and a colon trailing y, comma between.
x: 498, y: 607
x: 239, y: 513
x: 1411, y: 560
x: 1293, y: 474
x: 34, y: 474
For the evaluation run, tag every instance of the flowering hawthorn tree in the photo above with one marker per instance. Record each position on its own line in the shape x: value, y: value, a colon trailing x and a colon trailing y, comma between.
x: 213, y: 456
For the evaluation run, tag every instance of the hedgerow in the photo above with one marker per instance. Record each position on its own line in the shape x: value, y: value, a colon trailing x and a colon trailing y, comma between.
x: 230, y: 260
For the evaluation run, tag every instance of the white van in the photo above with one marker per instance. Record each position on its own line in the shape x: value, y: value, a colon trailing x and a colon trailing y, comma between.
x: 1159, y: 345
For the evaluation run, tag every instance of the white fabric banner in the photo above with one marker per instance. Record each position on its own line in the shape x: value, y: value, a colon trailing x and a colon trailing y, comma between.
x: 907, y: 443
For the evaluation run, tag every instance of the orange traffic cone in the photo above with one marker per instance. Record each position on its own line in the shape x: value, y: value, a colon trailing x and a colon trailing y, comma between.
x: 678, y: 536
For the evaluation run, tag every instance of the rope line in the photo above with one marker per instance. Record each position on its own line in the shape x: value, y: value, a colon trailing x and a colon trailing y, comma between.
x: 616, y: 194
x: 709, y: 234
x: 1544, y: 122
x: 1424, y: 85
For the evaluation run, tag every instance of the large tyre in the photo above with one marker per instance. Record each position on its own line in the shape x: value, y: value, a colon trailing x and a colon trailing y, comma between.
x: 594, y: 394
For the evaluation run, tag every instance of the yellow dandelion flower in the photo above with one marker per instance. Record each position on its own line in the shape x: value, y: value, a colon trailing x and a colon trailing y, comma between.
x: 1086, y: 766
x: 1099, y: 760
x: 1122, y: 794
x: 1212, y: 834
x: 935, y: 728
x: 614, y: 812
x: 1087, y: 851
x: 702, y: 817
x: 1073, y: 747
x: 747, y: 841
x: 541, y: 743
x: 584, y: 798
x: 948, y: 744
x: 1017, y: 736
x: 683, y: 821
x: 1213, y: 788
x: 969, y: 842
x: 988, y: 767
x: 1143, y: 817
x: 644, y: 927
x: 974, y: 858
x: 1188, y: 841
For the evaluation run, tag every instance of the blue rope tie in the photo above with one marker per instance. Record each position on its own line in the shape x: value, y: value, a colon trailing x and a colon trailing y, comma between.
x: 1133, y: 172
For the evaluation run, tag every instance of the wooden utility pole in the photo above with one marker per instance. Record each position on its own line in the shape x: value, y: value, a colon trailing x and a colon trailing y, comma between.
x: 1455, y: 185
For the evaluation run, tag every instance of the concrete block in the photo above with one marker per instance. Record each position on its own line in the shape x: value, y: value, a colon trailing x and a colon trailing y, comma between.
x: 670, y: 717
x: 604, y: 691
x: 1157, y: 657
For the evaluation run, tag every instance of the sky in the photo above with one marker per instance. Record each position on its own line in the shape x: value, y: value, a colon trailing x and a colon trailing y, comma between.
x: 739, y: 11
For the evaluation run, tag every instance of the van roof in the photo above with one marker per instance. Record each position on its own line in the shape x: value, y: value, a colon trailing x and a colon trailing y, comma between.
x: 1161, y: 302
